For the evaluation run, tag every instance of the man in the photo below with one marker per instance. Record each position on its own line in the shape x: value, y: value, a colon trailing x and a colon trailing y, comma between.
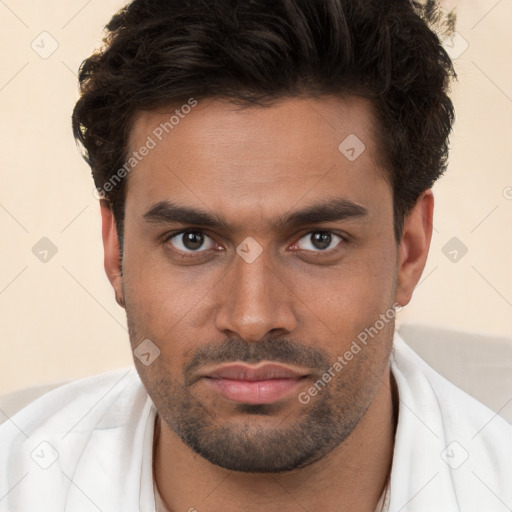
x: 264, y: 170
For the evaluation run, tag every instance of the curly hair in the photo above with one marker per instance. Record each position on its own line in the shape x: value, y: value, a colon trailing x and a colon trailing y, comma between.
x: 253, y: 52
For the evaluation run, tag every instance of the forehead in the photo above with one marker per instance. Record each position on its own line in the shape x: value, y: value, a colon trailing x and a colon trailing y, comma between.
x: 233, y: 159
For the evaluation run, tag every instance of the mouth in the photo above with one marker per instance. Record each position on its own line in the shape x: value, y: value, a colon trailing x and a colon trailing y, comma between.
x: 263, y: 384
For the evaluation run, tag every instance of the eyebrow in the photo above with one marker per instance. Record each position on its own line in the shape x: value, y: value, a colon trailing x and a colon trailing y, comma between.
x: 330, y: 210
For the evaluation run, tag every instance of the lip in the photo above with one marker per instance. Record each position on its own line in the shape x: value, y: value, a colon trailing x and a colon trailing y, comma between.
x: 264, y: 371
x: 263, y: 384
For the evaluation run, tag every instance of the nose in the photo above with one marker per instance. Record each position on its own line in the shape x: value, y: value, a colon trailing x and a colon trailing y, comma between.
x: 254, y: 301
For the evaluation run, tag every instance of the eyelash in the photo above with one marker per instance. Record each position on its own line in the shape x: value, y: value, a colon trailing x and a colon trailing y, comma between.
x: 194, y: 254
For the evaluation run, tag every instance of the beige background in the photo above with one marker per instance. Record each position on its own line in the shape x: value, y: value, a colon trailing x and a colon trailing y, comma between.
x: 59, y: 319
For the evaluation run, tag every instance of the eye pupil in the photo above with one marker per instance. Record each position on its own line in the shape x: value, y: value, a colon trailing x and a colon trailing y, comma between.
x: 193, y: 240
x: 321, y: 239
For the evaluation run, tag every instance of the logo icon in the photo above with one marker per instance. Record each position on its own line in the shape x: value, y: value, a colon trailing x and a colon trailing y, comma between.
x: 249, y: 249
x: 45, y: 45
x: 455, y: 455
x: 146, y: 352
x: 454, y: 250
x: 352, y: 147
x: 44, y: 250
x: 455, y: 46
x: 44, y: 455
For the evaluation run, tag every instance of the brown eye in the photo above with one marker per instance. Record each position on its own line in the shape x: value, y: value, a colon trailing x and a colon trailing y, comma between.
x: 319, y: 241
x: 190, y: 241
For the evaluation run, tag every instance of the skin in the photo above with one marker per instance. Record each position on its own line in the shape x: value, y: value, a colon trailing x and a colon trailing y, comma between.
x: 249, y: 166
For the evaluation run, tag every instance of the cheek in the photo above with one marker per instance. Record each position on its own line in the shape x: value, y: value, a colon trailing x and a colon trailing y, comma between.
x: 165, y: 304
x: 165, y: 294
x: 353, y: 297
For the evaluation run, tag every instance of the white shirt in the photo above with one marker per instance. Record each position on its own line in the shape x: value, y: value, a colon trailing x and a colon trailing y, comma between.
x: 87, y: 446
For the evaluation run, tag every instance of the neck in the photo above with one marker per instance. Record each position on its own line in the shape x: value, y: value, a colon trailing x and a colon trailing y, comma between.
x: 354, y: 474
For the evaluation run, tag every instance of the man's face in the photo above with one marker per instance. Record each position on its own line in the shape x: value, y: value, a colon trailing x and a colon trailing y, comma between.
x: 295, y: 293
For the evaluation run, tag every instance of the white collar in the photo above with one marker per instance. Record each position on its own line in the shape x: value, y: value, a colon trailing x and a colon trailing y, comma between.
x: 433, y: 414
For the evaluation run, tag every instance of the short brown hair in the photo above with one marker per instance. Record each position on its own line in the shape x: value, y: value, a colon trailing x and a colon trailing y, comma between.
x: 162, y: 52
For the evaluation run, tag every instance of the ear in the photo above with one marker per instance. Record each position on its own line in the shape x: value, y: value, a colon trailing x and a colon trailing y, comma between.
x: 111, y: 249
x: 414, y: 246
